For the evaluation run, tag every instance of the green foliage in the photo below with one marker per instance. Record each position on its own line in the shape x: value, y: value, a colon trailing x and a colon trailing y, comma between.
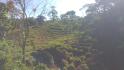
x: 3, y: 10
x: 66, y: 47
x: 41, y: 67
x: 71, y: 67
x: 5, y: 47
x: 70, y: 42
x: 10, y: 58
x: 67, y: 44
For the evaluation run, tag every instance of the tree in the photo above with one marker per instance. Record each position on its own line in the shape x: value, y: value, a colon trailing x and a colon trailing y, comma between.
x: 40, y: 19
x: 3, y: 10
x: 69, y: 15
x: 106, y: 29
x: 53, y: 13
x: 21, y: 5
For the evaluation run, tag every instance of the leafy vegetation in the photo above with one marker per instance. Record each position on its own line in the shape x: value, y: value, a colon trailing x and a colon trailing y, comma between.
x: 65, y: 42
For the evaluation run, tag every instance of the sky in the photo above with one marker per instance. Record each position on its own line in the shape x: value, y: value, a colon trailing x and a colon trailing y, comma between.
x: 62, y: 6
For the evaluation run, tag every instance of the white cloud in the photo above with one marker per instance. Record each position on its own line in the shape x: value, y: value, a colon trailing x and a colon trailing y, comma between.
x: 62, y: 6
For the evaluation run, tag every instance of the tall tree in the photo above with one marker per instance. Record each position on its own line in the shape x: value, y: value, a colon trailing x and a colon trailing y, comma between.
x: 53, y: 13
x: 22, y: 6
